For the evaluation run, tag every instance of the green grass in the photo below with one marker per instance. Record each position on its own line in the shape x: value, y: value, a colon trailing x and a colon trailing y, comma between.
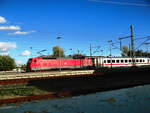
x: 21, y: 91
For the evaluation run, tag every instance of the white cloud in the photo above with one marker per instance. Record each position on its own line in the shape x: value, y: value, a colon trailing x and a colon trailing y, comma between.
x: 10, y: 28
x: 19, y: 62
x: 6, y: 46
x: 22, y: 33
x: 4, y: 53
x: 26, y: 53
x: 2, y: 19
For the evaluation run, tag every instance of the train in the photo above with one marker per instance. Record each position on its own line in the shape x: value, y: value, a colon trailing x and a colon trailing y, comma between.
x: 46, y: 63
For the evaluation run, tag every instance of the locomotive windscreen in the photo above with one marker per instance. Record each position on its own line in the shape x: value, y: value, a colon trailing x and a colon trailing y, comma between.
x: 29, y: 61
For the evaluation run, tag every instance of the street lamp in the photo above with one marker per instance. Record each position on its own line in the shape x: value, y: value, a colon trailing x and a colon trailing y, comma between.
x: 58, y: 38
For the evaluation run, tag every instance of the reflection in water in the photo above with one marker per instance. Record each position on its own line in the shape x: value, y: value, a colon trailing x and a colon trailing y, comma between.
x: 130, y: 100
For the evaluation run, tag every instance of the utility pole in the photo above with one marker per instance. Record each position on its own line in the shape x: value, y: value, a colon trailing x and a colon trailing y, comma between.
x: 110, y: 44
x: 120, y: 44
x: 147, y: 48
x: 31, y: 51
x: 132, y: 40
x: 58, y: 38
x: 78, y: 51
x: 90, y: 50
x: 129, y: 50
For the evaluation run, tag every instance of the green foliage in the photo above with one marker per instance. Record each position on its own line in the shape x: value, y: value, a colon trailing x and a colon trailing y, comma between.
x: 78, y: 56
x: 21, y: 91
x: 23, y: 67
x: 7, y: 63
x: 125, y: 51
x: 58, y: 52
x: 138, y: 53
x: 142, y: 53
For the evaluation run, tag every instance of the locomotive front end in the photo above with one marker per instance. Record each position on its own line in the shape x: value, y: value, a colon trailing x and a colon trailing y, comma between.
x: 29, y: 68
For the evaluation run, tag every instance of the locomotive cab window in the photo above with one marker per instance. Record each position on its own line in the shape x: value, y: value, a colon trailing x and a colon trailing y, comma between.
x: 30, y: 60
x: 35, y: 60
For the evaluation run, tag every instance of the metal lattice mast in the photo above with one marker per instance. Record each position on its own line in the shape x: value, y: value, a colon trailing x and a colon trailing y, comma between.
x: 132, y: 39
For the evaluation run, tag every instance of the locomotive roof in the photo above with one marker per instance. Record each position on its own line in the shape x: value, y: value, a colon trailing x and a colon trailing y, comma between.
x: 47, y: 57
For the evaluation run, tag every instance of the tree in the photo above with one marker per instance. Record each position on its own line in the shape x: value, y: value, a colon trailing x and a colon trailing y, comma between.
x: 137, y: 53
x: 125, y: 51
x: 58, y: 52
x: 78, y: 55
x: 7, y: 63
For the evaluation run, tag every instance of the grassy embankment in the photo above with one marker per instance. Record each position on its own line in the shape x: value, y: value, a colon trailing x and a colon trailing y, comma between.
x: 11, y: 91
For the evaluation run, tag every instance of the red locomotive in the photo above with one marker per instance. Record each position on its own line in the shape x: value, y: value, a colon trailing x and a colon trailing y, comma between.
x: 45, y: 63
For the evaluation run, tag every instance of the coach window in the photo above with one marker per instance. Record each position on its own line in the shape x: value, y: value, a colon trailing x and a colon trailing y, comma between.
x: 108, y: 61
x: 121, y: 61
x: 130, y: 61
x: 35, y: 60
x: 117, y: 61
x: 140, y: 60
x: 104, y: 61
x: 137, y: 60
x: 143, y: 60
x: 126, y: 61
x: 133, y: 60
x: 113, y: 61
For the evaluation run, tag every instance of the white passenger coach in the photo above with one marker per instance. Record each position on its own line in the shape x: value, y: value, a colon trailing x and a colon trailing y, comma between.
x: 121, y: 61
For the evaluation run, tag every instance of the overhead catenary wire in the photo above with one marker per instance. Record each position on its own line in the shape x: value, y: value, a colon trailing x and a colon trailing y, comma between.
x: 142, y: 38
x: 121, y: 3
x: 142, y: 43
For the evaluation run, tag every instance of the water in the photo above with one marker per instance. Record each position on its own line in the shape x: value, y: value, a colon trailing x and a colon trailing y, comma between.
x: 129, y: 100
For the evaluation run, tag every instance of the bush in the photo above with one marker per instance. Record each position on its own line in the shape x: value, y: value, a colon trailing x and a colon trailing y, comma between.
x: 7, y: 63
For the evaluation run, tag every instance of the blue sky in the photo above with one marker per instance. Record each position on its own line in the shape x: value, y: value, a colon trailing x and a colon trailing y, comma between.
x: 37, y: 23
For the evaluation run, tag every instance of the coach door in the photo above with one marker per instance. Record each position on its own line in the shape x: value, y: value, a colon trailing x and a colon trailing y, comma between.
x: 100, y: 62
x: 95, y: 61
x: 148, y: 61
